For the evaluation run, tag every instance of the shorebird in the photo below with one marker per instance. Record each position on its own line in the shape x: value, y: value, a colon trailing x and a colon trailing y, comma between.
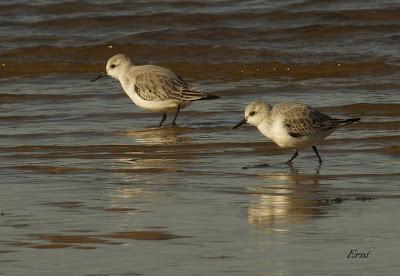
x: 152, y: 87
x: 292, y: 125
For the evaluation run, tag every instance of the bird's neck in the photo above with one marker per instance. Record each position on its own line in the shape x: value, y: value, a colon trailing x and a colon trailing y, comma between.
x: 264, y: 126
x: 125, y: 73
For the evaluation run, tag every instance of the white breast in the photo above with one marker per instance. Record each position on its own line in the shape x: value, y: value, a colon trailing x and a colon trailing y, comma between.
x: 277, y: 132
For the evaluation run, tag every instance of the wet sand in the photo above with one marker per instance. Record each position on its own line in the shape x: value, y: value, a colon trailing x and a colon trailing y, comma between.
x: 89, y: 186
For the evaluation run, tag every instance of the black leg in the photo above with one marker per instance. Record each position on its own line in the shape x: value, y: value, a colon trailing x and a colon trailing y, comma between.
x: 293, y: 157
x: 176, y: 115
x: 316, y: 152
x: 164, y: 116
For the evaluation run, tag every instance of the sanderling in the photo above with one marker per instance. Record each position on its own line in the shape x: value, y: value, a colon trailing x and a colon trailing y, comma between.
x: 292, y: 125
x: 152, y: 87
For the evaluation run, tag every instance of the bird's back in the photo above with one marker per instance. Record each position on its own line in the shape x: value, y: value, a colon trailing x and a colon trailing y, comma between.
x: 153, y: 69
x: 156, y: 83
x: 302, y: 120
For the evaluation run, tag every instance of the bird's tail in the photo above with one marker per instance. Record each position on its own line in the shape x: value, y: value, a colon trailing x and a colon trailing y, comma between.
x: 344, y: 122
x: 210, y: 96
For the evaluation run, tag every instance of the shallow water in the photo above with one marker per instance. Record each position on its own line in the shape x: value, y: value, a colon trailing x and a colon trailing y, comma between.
x: 90, y: 186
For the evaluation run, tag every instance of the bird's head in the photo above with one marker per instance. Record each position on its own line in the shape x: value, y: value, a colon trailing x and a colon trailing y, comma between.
x: 255, y: 113
x: 115, y: 67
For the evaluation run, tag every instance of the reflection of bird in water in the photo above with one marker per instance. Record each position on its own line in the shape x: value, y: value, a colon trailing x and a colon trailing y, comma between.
x: 158, y: 136
x: 295, y: 201
x: 153, y: 162
x: 159, y: 153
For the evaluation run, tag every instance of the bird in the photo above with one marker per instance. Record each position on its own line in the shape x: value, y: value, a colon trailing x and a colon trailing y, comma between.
x: 152, y: 87
x: 292, y: 125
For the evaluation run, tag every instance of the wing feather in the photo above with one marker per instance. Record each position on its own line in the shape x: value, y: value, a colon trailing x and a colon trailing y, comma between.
x: 302, y: 120
x: 161, y: 86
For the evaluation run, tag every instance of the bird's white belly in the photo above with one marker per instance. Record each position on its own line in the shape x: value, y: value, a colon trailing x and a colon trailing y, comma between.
x: 158, y: 106
x: 278, y: 133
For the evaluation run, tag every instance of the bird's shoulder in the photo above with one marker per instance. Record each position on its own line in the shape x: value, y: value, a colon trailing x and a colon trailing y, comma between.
x: 153, y: 71
x: 293, y: 110
x: 288, y: 108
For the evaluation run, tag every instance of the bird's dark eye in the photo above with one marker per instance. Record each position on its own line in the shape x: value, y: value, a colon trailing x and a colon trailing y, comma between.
x: 113, y: 65
x: 252, y: 113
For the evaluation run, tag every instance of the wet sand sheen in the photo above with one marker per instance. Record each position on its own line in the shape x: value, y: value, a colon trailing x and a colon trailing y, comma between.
x: 64, y: 241
x: 234, y: 71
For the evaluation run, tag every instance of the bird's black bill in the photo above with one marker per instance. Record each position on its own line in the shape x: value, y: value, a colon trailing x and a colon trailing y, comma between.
x: 242, y: 122
x: 102, y: 75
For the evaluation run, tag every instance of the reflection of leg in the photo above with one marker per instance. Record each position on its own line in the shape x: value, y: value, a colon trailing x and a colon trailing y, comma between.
x: 293, y: 170
x: 316, y: 152
x: 293, y: 157
x: 318, y: 169
x: 164, y: 116
x: 176, y: 115
x: 259, y: 166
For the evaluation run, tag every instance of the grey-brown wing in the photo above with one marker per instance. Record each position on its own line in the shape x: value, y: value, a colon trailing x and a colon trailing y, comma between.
x: 302, y: 120
x: 155, y: 86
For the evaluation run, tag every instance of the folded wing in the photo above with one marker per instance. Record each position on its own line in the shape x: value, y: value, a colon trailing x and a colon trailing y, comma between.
x: 302, y: 120
x: 162, y: 84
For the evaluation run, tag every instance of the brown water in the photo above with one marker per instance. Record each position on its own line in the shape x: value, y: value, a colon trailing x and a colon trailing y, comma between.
x: 90, y: 187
